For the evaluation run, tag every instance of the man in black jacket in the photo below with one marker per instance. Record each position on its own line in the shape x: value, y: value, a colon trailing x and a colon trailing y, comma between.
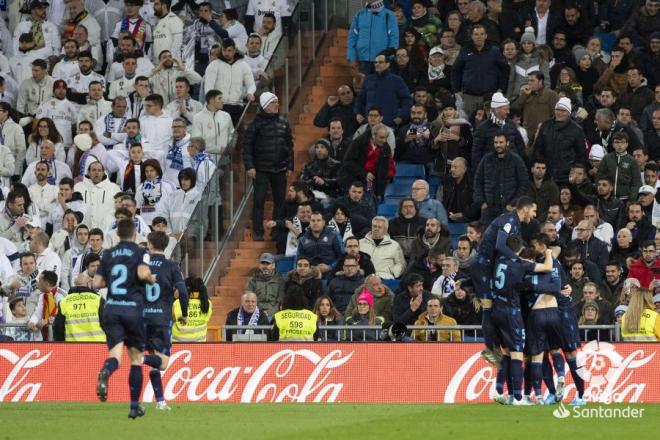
x: 342, y: 287
x: 361, y: 210
x: 352, y: 245
x: 341, y: 107
x: 591, y: 248
x: 610, y: 208
x: 268, y: 159
x: 457, y: 192
x: 320, y: 174
x: 247, y: 313
x: 411, y: 301
x: 403, y: 228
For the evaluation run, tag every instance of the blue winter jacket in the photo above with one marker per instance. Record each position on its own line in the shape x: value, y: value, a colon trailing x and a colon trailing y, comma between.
x: 326, y: 249
x: 479, y: 73
x: 371, y: 33
x: 387, y: 91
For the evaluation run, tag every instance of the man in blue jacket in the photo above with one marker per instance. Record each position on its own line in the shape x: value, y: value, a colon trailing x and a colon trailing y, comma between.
x: 373, y: 30
x: 386, y: 91
x: 321, y: 245
x: 480, y: 69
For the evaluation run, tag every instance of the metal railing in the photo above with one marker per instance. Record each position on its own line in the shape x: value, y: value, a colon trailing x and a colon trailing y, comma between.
x: 219, y: 215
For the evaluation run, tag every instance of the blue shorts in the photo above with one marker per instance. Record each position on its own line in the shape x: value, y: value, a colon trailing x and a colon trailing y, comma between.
x: 481, y: 271
x: 158, y: 334
x: 509, y: 326
x: 543, y: 331
x: 123, y: 324
x: 570, y: 332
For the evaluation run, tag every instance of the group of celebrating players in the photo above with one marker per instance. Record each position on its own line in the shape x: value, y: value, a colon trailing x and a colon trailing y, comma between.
x: 527, y: 318
x: 138, y: 311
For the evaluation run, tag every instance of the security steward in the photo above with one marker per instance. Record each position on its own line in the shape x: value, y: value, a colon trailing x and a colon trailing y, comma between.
x: 79, y: 319
x: 200, y: 311
x: 640, y: 323
x: 294, y: 322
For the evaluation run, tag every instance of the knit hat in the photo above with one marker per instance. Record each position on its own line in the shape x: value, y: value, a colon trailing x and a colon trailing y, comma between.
x: 498, y: 100
x: 528, y: 35
x: 620, y: 310
x: 326, y: 143
x: 579, y: 52
x: 590, y: 304
x: 367, y: 297
x: 655, y: 36
x: 597, y: 152
x: 83, y: 142
x: 266, y: 98
x: 563, y: 104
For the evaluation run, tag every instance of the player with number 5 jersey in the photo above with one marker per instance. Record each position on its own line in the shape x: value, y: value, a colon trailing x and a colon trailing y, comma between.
x: 124, y: 270
x: 158, y: 311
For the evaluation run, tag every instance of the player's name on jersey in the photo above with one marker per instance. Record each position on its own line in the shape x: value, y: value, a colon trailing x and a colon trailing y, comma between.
x: 123, y: 252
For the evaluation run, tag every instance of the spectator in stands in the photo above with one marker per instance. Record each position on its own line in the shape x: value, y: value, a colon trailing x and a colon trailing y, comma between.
x: 267, y: 284
x: 320, y: 245
x: 622, y: 168
x: 206, y: 32
x: 124, y: 85
x: 133, y: 23
x: 403, y: 228
x: 373, y: 29
x: 462, y: 305
x: 338, y: 141
x: 269, y: 33
x: 615, y: 75
x: 66, y: 200
x: 637, y: 95
x: 306, y: 277
x: 46, y: 131
x: 369, y: 160
x: 136, y: 98
x: 110, y: 128
x: 438, y: 74
x: 342, y: 287
x: 13, y: 136
x: 464, y: 253
x: 414, y: 140
x: 476, y: 57
x: 155, y: 128
x: 23, y: 284
x: 652, y: 136
x: 560, y: 142
x: 592, y: 295
x: 611, y: 287
x: 428, y: 207
x: 536, y: 102
x: 412, y: 76
x: 364, y: 314
x: 543, y: 190
x: 268, y: 159
x: 610, y: 208
x: 382, y: 294
x: 386, y: 254
x: 97, y: 191
x: 457, y: 191
x: 46, y: 33
x: 70, y: 257
x: 179, y: 207
x: 645, y: 268
x: 328, y: 315
x: 47, y: 259
x: 352, y: 246
x: 500, y: 179
x: 247, y: 314
x: 646, y: 119
x: 375, y: 117
x: 646, y: 198
x: 428, y: 265
x: 411, y: 301
x: 434, y: 316
x: 643, y: 22
x: 340, y: 223
x: 433, y: 236
x: 590, y: 248
x: 638, y: 223
x: 602, y: 230
x: 288, y: 231
x: 444, y: 285
x: 201, y: 160
x: 497, y: 123
x: 340, y: 106
x: 320, y: 174
x: 182, y: 105
x: 42, y: 193
x: 213, y: 124
x: 13, y: 219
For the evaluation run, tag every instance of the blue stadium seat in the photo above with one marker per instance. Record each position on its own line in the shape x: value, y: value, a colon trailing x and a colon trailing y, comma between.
x: 387, y: 210
x: 393, y: 285
x: 457, y: 228
x: 409, y: 170
x: 404, y: 181
x: 394, y: 190
x: 284, y: 264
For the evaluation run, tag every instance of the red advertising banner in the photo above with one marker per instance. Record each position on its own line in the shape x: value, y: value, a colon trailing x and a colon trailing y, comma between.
x: 275, y: 372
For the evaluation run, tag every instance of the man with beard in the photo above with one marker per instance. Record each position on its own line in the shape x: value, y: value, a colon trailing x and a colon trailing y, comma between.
x: 168, y: 34
x: 128, y: 46
x: 41, y: 192
x: 61, y: 111
x: 340, y: 106
x: 68, y: 65
x: 413, y: 145
x: 465, y: 255
x: 96, y: 106
x: 267, y: 284
x: 320, y: 174
x: 429, y: 266
x: 46, y: 34
x: 79, y: 83
x: 639, y: 224
x: 433, y: 236
x: 403, y: 228
x: 163, y: 78
x: 338, y: 142
x: 610, y: 288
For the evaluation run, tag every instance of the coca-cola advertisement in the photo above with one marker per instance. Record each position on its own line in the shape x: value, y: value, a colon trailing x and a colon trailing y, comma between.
x: 355, y: 373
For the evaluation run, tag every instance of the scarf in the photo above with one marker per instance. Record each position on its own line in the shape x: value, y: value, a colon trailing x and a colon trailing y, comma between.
x: 49, y: 311
x: 151, y: 192
x: 175, y: 154
x: 376, y: 7
x: 82, y: 171
x: 253, y: 320
x: 28, y: 285
x: 199, y: 158
x: 109, y: 121
x: 129, y: 177
x: 448, y: 285
x: 52, y: 176
x: 436, y: 72
x: 348, y: 229
x: 138, y: 31
x: 71, y: 24
x: 499, y: 122
x: 133, y: 140
x: 38, y: 34
x: 292, y: 240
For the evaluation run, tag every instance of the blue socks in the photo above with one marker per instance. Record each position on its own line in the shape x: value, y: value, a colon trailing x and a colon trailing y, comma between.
x: 516, y: 378
x: 135, y: 384
x: 548, y: 377
x: 157, y: 384
x: 152, y: 360
x: 487, y: 328
x: 558, y: 362
x: 537, y: 368
x: 110, y: 365
x: 527, y: 378
x: 577, y: 380
x: 503, y: 375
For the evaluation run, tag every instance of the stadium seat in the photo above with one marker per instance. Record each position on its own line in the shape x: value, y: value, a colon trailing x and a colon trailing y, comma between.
x: 457, y: 228
x: 387, y: 210
x: 393, y: 285
x: 404, y: 181
x: 409, y: 170
x: 284, y: 264
x: 394, y: 190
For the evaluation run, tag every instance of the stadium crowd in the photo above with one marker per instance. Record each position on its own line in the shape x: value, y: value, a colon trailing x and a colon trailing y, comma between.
x: 111, y: 110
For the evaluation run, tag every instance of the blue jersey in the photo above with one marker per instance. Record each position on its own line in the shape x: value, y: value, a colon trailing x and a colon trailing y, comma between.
x: 508, y: 273
x: 119, y: 269
x: 550, y: 282
x: 160, y: 295
x: 494, y: 239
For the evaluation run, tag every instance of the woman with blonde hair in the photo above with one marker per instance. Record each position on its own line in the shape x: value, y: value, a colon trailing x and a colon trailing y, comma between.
x: 640, y: 323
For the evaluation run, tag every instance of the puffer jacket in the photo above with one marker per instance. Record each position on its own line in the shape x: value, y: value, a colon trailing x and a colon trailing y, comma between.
x: 404, y: 231
x: 326, y: 249
x: 311, y: 286
x: 623, y: 169
x: 327, y: 169
x: 561, y: 144
x: 483, y: 139
x: 387, y: 256
x: 468, y: 70
x: 642, y: 24
x: 342, y: 288
x: 499, y: 181
x: 268, y: 144
x: 518, y: 71
x: 269, y: 289
x: 371, y: 33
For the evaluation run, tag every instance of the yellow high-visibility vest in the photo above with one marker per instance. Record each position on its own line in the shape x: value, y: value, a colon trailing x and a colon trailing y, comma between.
x: 195, y: 328
x: 296, y: 325
x: 646, y: 331
x: 81, y: 312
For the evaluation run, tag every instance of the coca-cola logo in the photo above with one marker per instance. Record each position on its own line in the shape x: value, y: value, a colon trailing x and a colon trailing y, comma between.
x: 16, y: 381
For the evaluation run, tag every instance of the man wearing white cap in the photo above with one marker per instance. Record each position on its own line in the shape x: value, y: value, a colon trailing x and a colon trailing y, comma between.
x: 561, y: 142
x: 646, y: 197
x: 497, y: 122
x: 596, y: 155
x: 268, y: 159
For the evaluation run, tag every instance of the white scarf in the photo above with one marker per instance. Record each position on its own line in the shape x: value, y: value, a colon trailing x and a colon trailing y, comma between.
x: 292, y: 240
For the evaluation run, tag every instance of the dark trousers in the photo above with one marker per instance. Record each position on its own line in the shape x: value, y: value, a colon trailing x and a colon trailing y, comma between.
x: 277, y: 182
x: 235, y: 111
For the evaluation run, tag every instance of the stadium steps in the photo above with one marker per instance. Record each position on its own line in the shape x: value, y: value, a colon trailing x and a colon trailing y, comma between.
x: 330, y: 70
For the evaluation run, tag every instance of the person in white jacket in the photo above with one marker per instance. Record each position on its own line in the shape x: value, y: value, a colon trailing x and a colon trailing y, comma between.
x: 164, y: 76
x: 180, y: 205
x: 48, y: 34
x: 156, y: 129
x: 168, y: 33
x: 177, y: 156
x: 233, y: 77
x: 13, y: 137
x: 96, y: 106
x: 153, y: 191
x: 213, y: 124
x: 42, y: 193
x: 125, y: 85
x: 62, y: 111
x: 98, y: 192
x: 7, y: 166
x: 183, y: 106
x: 387, y: 255
x: 202, y: 162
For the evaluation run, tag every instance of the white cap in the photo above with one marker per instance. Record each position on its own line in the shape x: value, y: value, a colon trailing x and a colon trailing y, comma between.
x: 83, y: 141
x: 436, y: 49
x: 656, y: 298
x: 266, y: 98
x: 498, y: 100
x: 597, y: 152
x: 564, y: 104
x: 646, y: 189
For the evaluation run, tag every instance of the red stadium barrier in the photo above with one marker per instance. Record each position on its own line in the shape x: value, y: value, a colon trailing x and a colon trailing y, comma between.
x: 272, y: 372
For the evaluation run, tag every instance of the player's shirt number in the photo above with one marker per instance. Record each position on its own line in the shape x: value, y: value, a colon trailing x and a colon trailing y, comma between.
x: 499, y: 276
x: 120, y: 274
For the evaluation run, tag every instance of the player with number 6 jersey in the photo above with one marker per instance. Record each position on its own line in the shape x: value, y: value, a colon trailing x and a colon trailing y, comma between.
x: 124, y: 270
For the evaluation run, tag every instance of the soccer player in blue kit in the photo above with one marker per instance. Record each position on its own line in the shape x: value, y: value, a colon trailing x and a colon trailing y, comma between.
x: 125, y: 271
x: 493, y: 245
x: 506, y: 315
x: 158, y: 311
